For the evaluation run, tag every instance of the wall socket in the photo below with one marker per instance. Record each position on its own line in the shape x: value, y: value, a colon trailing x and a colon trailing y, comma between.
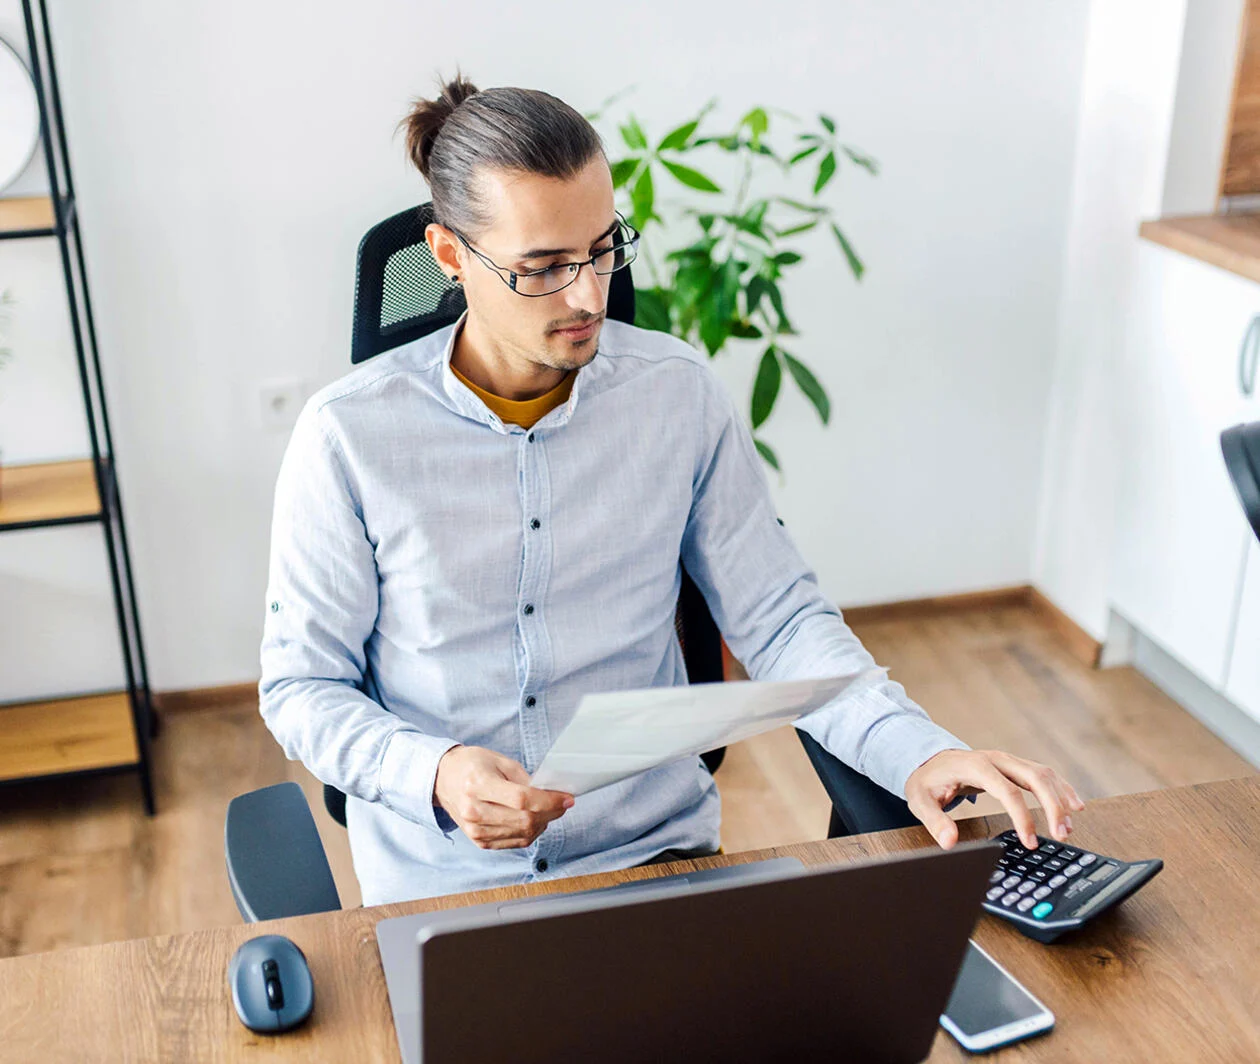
x: 280, y: 401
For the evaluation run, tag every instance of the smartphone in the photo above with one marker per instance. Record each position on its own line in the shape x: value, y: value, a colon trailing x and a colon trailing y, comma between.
x: 988, y: 1008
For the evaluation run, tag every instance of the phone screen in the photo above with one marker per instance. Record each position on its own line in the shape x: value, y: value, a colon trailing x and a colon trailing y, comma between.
x: 985, y: 997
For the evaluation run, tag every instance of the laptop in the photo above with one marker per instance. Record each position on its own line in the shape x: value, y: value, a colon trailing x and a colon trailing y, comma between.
x: 763, y: 961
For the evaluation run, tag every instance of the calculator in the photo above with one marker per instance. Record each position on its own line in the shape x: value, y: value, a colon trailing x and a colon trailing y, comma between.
x: 1056, y: 887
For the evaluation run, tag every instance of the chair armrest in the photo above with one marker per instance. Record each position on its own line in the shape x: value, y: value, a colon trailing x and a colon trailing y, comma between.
x: 858, y: 803
x: 275, y: 861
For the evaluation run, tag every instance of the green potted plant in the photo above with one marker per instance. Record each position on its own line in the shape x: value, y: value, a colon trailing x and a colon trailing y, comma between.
x: 722, y: 280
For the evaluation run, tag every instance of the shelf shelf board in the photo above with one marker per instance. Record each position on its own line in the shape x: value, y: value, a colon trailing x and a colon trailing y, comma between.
x: 48, y: 493
x: 58, y: 736
x: 27, y: 216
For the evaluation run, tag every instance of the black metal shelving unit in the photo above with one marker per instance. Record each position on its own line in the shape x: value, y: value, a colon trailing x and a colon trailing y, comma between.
x: 78, y: 492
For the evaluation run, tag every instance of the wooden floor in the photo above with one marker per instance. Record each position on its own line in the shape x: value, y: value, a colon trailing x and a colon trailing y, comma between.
x: 80, y: 863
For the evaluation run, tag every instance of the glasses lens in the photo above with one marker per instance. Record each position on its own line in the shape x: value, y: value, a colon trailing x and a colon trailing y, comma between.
x: 544, y: 282
x: 616, y: 257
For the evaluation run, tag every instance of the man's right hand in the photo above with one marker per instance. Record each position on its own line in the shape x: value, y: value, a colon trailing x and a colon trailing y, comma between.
x: 489, y: 797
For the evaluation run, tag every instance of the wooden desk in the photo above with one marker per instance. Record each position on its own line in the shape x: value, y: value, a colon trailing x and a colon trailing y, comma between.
x: 1173, y: 974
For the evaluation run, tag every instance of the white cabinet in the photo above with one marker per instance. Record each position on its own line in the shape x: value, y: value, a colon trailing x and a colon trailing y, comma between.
x: 1243, y: 686
x: 1180, y: 534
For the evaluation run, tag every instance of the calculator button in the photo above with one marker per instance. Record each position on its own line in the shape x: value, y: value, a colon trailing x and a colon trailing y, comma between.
x: 1034, y: 859
x: 1039, y: 874
x: 1016, y: 851
x: 995, y: 893
x: 1003, y: 862
x: 1049, y: 847
x: 997, y: 876
x: 1069, y: 854
x: 1087, y: 859
x: 1042, y: 910
x: 1020, y: 868
x: 1072, y: 870
x: 1009, y: 882
x: 1010, y: 900
x: 1026, y: 886
x: 1057, y: 881
x: 1026, y: 904
x: 1055, y: 863
x: 1041, y: 892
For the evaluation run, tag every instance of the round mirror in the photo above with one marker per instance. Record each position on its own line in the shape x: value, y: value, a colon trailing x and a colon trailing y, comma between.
x: 19, y: 115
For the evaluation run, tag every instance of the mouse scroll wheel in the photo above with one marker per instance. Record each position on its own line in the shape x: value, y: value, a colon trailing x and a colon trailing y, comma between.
x: 275, y: 992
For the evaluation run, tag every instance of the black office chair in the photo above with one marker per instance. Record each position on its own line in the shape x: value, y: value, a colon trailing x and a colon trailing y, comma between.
x: 401, y: 295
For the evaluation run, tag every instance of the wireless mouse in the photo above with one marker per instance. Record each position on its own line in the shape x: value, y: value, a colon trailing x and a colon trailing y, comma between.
x: 271, y: 984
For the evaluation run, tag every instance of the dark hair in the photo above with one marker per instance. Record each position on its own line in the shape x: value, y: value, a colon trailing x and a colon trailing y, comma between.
x: 464, y: 130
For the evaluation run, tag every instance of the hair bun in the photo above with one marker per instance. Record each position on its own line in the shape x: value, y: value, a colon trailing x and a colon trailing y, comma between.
x: 426, y: 118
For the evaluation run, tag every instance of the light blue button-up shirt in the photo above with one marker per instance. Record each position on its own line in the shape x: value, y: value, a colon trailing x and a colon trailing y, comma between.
x: 412, y: 604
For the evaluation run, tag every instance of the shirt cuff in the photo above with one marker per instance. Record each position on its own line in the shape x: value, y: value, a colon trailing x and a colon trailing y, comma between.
x: 408, y: 773
x: 900, y: 744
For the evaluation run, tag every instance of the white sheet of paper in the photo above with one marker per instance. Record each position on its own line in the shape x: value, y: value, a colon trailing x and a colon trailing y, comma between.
x: 616, y: 734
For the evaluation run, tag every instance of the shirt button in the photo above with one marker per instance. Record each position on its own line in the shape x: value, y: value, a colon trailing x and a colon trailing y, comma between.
x: 528, y: 609
x: 275, y: 607
x: 530, y: 437
x: 531, y: 701
x: 535, y: 523
x: 542, y: 864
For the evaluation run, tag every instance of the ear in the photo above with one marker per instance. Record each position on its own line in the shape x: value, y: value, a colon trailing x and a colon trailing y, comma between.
x: 446, y: 248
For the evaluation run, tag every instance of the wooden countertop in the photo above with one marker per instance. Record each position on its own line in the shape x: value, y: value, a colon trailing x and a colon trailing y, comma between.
x: 1172, y: 974
x: 1230, y: 241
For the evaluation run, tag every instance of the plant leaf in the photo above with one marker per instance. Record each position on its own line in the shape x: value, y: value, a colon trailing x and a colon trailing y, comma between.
x: 786, y: 258
x: 826, y: 171
x: 632, y: 133
x: 651, y: 309
x: 855, y: 264
x: 643, y: 196
x: 623, y: 170
x: 797, y: 229
x: 767, y: 454
x: 809, y: 208
x: 676, y: 139
x: 828, y: 124
x: 805, y: 154
x: 864, y: 161
x: 757, y: 122
x: 809, y: 385
x: 753, y: 293
x: 766, y: 387
x: 689, y: 177
x: 776, y: 299
x: 745, y: 330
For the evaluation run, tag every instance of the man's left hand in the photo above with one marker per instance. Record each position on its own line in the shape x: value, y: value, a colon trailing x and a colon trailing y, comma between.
x: 950, y: 773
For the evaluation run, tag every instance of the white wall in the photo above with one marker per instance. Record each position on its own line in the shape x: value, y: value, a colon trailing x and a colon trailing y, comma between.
x: 229, y: 156
x: 1128, y: 97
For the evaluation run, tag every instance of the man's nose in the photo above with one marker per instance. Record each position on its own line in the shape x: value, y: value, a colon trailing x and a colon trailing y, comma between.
x: 587, y: 291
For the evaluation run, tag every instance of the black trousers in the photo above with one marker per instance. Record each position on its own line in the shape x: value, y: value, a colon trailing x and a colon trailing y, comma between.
x: 678, y: 855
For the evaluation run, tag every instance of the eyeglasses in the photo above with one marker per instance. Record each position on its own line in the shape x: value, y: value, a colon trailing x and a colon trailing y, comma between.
x: 550, y: 279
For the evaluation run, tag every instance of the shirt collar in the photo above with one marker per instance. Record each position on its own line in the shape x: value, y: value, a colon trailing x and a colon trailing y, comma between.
x: 468, y: 403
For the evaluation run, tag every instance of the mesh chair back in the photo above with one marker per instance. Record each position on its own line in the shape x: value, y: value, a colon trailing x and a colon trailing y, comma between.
x: 400, y: 293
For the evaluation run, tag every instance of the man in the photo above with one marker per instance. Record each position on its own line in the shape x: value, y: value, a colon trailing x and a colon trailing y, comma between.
x: 475, y: 529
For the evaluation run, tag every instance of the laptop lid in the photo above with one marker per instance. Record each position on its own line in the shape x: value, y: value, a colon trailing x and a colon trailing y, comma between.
x: 849, y: 963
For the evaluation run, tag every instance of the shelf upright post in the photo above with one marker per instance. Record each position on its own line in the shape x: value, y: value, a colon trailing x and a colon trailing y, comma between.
x: 104, y: 466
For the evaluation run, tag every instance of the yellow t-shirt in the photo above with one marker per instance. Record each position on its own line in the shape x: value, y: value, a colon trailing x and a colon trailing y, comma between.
x: 523, y: 412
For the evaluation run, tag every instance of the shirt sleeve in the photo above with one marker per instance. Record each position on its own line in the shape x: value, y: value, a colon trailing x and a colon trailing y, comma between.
x: 769, y: 608
x: 322, y: 602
